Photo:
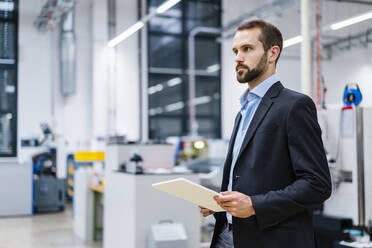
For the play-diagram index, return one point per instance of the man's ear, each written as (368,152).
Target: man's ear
(274,53)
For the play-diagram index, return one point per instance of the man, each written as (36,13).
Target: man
(276,172)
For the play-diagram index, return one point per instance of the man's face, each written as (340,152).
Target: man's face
(251,58)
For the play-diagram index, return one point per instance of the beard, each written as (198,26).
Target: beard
(251,74)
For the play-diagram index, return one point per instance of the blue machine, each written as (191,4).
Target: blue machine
(352,95)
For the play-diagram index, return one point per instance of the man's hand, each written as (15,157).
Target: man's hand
(205,211)
(236,203)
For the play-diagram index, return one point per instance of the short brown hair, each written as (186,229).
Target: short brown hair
(270,35)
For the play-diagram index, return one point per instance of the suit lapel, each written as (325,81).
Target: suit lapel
(260,113)
(230,150)
(235,131)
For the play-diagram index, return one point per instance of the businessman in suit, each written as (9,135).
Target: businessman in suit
(276,172)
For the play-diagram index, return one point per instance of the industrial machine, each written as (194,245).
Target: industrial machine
(49,194)
(48,191)
(155,157)
(189,147)
(347,140)
(352,95)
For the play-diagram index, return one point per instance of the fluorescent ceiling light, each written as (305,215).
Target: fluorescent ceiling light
(156,111)
(167,5)
(202,100)
(334,26)
(10,89)
(137,26)
(292,41)
(6,6)
(174,106)
(155,89)
(174,81)
(351,21)
(7,61)
(213,68)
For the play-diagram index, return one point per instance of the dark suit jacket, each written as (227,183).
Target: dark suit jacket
(283,168)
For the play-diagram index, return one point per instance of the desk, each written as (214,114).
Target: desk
(98,189)
(132,206)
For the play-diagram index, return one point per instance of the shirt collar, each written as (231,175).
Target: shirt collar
(261,89)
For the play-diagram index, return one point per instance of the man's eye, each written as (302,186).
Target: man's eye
(246,49)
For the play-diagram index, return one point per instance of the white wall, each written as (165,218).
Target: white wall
(34,72)
(99,73)
(231,90)
(39,98)
(353,66)
(127,97)
(120,91)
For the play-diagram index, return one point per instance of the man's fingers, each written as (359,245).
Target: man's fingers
(231,204)
(205,212)
(224,193)
(225,198)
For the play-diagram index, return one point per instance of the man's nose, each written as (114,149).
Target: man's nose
(239,58)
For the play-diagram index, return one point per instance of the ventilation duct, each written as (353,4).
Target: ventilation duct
(68,54)
(52,13)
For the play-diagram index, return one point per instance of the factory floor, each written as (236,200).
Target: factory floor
(41,230)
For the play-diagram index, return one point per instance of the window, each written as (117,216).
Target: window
(8,77)
(168,66)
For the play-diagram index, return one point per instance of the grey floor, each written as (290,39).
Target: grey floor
(41,231)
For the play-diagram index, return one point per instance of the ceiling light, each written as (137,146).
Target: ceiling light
(292,41)
(138,25)
(334,26)
(154,89)
(351,21)
(202,100)
(6,6)
(155,111)
(213,68)
(167,5)
(174,81)
(174,106)
(10,89)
